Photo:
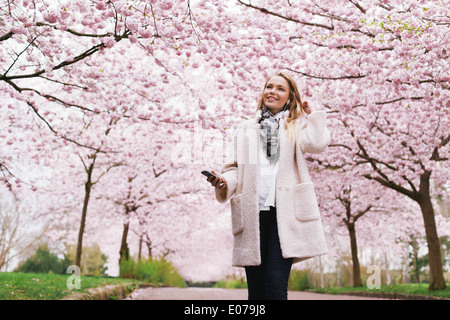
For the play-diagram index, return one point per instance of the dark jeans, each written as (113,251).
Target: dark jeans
(270,279)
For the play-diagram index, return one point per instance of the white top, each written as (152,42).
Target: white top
(267,181)
(267,178)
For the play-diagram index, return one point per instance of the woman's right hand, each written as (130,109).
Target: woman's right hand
(219,182)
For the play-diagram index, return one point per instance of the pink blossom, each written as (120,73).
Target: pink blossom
(133,38)
(51,17)
(145,33)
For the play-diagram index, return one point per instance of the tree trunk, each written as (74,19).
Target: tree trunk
(124,251)
(415,256)
(148,242)
(87,188)
(322,282)
(437,281)
(355,260)
(388,276)
(354,247)
(140,247)
(338,273)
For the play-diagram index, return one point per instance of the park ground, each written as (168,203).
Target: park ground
(225,294)
(35,286)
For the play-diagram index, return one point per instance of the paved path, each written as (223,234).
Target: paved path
(224,294)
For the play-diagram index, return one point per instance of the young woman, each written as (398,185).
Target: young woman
(275,216)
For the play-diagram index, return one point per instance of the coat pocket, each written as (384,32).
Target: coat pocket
(305,202)
(237,215)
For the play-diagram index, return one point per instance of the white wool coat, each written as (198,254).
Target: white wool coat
(299,223)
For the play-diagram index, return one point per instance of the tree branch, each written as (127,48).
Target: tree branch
(328,78)
(361,213)
(435,155)
(3,168)
(50,97)
(117,164)
(64,137)
(383,179)
(76,33)
(340,145)
(346,46)
(263,10)
(17,58)
(83,55)
(387,183)
(359,7)
(6,36)
(82,161)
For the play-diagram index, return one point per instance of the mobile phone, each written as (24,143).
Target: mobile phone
(208,174)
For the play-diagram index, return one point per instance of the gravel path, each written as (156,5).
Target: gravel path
(224,294)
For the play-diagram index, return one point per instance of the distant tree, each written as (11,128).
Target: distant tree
(17,239)
(93,260)
(43,261)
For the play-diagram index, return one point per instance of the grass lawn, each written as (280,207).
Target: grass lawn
(41,286)
(409,289)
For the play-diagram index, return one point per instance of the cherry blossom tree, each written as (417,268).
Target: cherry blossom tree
(159,85)
(350,203)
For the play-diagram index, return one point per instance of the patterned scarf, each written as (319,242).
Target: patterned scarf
(270,130)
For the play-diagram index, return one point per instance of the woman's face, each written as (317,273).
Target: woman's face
(276,94)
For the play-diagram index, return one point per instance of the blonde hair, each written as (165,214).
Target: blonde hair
(294,106)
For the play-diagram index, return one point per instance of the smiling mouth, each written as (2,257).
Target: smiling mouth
(271,99)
